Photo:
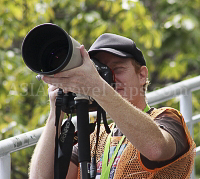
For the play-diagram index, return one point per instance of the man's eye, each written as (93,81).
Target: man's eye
(118,69)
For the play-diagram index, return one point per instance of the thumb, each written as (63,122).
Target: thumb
(84,53)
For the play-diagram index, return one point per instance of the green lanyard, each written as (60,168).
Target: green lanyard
(105,173)
(105,166)
(147,108)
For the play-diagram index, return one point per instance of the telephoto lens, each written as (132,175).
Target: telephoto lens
(47,49)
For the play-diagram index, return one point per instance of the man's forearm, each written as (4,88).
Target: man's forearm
(138,127)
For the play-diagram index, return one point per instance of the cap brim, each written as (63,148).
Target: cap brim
(112,51)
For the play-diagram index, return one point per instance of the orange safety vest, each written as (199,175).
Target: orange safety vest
(130,164)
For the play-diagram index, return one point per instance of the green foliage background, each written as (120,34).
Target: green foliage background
(167,31)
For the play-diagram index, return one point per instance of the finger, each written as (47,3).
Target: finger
(62,83)
(52,81)
(67,73)
(85,56)
(53,94)
(84,52)
(52,88)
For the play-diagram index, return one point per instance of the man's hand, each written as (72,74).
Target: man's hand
(52,91)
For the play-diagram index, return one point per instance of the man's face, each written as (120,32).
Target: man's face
(128,83)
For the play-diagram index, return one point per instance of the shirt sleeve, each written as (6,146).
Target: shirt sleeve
(171,124)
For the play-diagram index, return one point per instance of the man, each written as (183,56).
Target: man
(153,143)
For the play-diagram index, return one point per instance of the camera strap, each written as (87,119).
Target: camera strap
(66,142)
(63,144)
(100,113)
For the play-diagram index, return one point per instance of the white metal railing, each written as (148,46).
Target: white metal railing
(183,90)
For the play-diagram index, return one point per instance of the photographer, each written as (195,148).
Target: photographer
(146,142)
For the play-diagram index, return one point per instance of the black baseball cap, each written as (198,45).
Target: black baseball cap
(117,45)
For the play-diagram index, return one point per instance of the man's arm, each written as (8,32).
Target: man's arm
(152,141)
(42,162)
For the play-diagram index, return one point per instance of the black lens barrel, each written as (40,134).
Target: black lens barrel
(47,49)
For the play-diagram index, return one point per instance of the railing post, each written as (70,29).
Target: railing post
(5,166)
(186,110)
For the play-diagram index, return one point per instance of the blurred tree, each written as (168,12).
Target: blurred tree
(179,54)
(167,31)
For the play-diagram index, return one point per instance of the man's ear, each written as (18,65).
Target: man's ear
(143,75)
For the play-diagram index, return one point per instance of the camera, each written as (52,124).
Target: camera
(48,49)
